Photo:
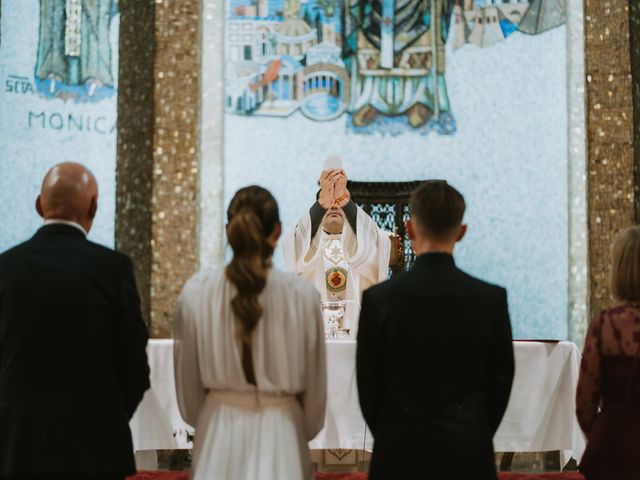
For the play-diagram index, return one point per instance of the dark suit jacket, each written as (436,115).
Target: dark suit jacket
(434,367)
(73,365)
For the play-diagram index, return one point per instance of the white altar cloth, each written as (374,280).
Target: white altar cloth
(344,426)
(157,423)
(540,415)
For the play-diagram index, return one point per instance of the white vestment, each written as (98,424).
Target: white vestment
(366,257)
(243,431)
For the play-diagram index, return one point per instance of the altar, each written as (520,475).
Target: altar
(540,415)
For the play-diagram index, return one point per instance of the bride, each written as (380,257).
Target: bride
(250,362)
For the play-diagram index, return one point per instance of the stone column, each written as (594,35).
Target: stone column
(134,165)
(157,164)
(610,136)
(634,37)
(577,163)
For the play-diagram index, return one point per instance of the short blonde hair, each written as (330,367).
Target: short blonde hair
(625,268)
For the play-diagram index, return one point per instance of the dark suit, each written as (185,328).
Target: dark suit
(73,365)
(434,367)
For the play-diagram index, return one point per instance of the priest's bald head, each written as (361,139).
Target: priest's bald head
(69,192)
(437,210)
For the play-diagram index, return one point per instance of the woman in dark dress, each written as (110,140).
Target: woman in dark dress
(608,397)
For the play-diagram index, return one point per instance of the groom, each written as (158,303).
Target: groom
(73,365)
(435,358)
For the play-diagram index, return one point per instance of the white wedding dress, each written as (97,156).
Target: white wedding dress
(244,432)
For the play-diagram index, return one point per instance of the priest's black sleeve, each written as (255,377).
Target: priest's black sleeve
(316,213)
(351,212)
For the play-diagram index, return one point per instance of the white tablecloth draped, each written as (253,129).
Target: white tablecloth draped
(540,415)
(157,423)
(344,426)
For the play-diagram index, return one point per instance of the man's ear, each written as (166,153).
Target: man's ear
(93,207)
(39,207)
(410,228)
(461,233)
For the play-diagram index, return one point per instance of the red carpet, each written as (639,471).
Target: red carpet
(363,476)
(540,476)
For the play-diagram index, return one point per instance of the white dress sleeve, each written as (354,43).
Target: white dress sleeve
(190,391)
(314,396)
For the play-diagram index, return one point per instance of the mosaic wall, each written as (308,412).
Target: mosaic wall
(212,216)
(158,169)
(610,133)
(634,36)
(497,129)
(287,162)
(176,170)
(59,77)
(508,151)
(382,63)
(135,142)
(578,197)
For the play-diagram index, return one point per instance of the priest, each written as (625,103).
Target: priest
(339,248)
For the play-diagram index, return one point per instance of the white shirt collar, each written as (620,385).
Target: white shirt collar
(58,221)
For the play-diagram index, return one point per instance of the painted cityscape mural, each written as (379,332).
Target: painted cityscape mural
(379,63)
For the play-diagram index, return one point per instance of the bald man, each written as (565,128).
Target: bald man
(73,365)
